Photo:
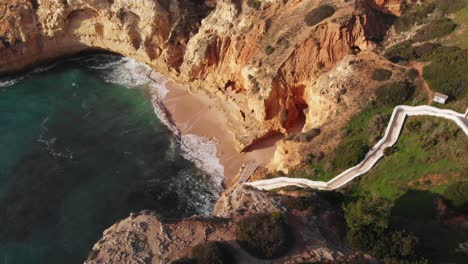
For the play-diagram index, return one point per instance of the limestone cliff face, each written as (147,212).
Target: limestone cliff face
(260,60)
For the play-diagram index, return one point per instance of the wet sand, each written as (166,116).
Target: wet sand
(196,114)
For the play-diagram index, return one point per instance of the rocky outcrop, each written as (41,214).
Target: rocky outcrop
(259,59)
(143,238)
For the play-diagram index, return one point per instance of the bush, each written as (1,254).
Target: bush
(264,235)
(269,50)
(416,15)
(412,74)
(435,29)
(376,126)
(457,194)
(350,153)
(381,75)
(426,49)
(367,220)
(184,261)
(367,211)
(390,151)
(393,94)
(413,125)
(254,4)
(319,14)
(213,252)
(400,52)
(450,6)
(447,72)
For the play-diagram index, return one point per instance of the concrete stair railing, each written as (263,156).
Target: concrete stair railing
(392,133)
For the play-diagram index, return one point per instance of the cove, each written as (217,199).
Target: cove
(80,150)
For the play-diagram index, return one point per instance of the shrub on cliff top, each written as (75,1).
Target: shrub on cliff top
(184,261)
(457,194)
(264,235)
(435,29)
(269,50)
(381,75)
(412,74)
(350,153)
(394,93)
(212,252)
(417,14)
(400,52)
(447,72)
(319,14)
(254,4)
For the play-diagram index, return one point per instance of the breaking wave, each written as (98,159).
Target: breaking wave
(8,81)
(125,71)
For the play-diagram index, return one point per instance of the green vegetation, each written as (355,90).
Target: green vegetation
(426,146)
(457,194)
(368,222)
(435,29)
(319,14)
(420,14)
(350,153)
(412,74)
(381,75)
(269,50)
(264,235)
(184,261)
(447,73)
(459,38)
(394,93)
(402,51)
(390,151)
(254,4)
(450,6)
(213,252)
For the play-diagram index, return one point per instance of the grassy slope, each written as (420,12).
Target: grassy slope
(460,37)
(395,175)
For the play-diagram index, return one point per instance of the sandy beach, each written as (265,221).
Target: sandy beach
(194,114)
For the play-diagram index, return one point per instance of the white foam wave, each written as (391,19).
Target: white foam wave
(44,68)
(10,81)
(201,151)
(128,72)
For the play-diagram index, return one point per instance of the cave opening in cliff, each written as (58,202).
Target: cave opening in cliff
(294,110)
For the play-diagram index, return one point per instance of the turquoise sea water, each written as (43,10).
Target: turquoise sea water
(78,152)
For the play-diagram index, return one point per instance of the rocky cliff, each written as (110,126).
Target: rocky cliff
(143,238)
(276,67)
(259,57)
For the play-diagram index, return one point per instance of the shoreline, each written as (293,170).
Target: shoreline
(196,114)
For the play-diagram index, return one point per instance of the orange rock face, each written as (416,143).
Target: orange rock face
(259,61)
